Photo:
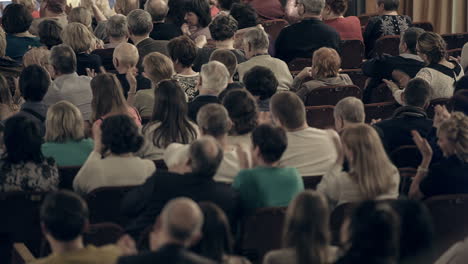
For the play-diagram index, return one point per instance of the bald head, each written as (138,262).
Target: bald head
(158,9)
(182,219)
(205,156)
(125,54)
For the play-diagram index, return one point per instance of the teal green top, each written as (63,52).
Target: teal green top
(70,153)
(268,187)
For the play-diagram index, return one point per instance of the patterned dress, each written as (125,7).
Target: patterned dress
(188,84)
(385,25)
(28,176)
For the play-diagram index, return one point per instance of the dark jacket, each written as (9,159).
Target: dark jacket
(165,31)
(198,102)
(204,54)
(144,203)
(302,39)
(85,60)
(165,255)
(149,45)
(449,176)
(142,83)
(396,131)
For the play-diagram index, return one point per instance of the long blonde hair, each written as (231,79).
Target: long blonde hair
(63,123)
(456,130)
(306,228)
(370,167)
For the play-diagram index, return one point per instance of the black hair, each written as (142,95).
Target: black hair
(459,102)
(226,4)
(242,110)
(202,9)
(260,81)
(223,27)
(389,5)
(16,19)
(183,50)
(462,84)
(64,215)
(417,92)
(271,141)
(120,135)
(410,38)
(49,32)
(23,140)
(245,15)
(34,81)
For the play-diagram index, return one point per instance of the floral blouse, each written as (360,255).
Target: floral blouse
(188,84)
(29,176)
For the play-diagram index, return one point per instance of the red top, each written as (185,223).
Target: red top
(268,9)
(348,27)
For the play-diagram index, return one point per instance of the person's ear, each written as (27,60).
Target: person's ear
(115,61)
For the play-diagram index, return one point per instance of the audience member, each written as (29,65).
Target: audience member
(112,162)
(64,218)
(194,179)
(9,68)
(16,21)
(176,14)
(65,141)
(372,235)
(247,19)
(388,22)
(262,84)
(157,67)
(296,42)
(81,15)
(459,102)
(229,60)
(370,174)
(326,63)
(67,84)
(310,150)
(349,27)
(8,107)
(396,131)
(30,6)
(464,57)
(22,166)
(177,228)
(49,32)
(169,122)
(37,56)
(256,45)
(268,10)
(447,176)
(213,80)
(347,112)
(162,30)
(140,25)
(197,17)
(50,10)
(124,7)
(382,67)
(222,29)
(306,235)
(183,52)
(266,184)
(117,31)
(217,242)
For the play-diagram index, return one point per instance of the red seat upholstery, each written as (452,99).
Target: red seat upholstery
(104,204)
(357,76)
(337,218)
(406,156)
(67,175)
(352,54)
(439,101)
(298,64)
(379,110)
(274,27)
(387,44)
(379,94)
(311,182)
(320,116)
(331,95)
(426,25)
(262,232)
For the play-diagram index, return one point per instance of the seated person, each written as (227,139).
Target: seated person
(310,150)
(50,33)
(449,175)
(81,15)
(197,17)
(229,60)
(50,10)
(325,69)
(396,131)
(64,138)
(382,67)
(162,30)
(183,52)
(64,218)
(192,178)
(267,184)
(22,166)
(222,31)
(388,22)
(112,162)
(370,175)
(349,27)
(262,84)
(296,41)
(125,59)
(348,112)
(255,45)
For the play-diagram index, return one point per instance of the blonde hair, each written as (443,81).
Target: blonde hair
(370,167)
(81,15)
(126,54)
(158,67)
(433,46)
(325,63)
(456,130)
(103,5)
(2,42)
(78,37)
(63,123)
(39,56)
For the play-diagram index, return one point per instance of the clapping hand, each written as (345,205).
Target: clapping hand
(424,148)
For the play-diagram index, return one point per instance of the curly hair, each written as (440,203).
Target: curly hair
(242,110)
(456,131)
(120,135)
(223,27)
(183,50)
(433,46)
(338,6)
(260,81)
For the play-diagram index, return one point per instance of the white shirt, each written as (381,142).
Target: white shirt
(229,167)
(311,151)
(111,171)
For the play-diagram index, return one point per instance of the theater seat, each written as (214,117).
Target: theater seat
(406,178)
(331,95)
(298,64)
(320,116)
(407,156)
(104,204)
(357,76)
(378,94)
(455,41)
(439,101)
(380,110)
(337,218)
(454,53)
(274,27)
(21,254)
(66,176)
(352,53)
(388,45)
(311,182)
(426,25)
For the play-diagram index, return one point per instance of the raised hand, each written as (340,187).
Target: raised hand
(424,148)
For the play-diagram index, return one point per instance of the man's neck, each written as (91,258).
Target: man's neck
(59,247)
(260,52)
(262,163)
(138,39)
(206,92)
(117,41)
(390,13)
(164,240)
(225,44)
(309,16)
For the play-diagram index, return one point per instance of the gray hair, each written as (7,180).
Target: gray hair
(63,59)
(213,120)
(214,76)
(139,22)
(158,9)
(182,219)
(257,38)
(205,156)
(350,109)
(313,7)
(117,26)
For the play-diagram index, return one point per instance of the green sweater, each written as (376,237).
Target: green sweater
(70,153)
(268,187)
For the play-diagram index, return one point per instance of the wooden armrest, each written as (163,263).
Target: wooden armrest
(22,254)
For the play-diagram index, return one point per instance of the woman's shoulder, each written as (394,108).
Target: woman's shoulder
(280,256)
(232,259)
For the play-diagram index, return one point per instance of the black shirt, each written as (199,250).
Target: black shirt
(449,176)
(165,31)
(85,60)
(142,83)
(204,54)
(198,102)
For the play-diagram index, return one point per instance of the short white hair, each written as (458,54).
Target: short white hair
(214,76)
(314,7)
(350,109)
(257,38)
